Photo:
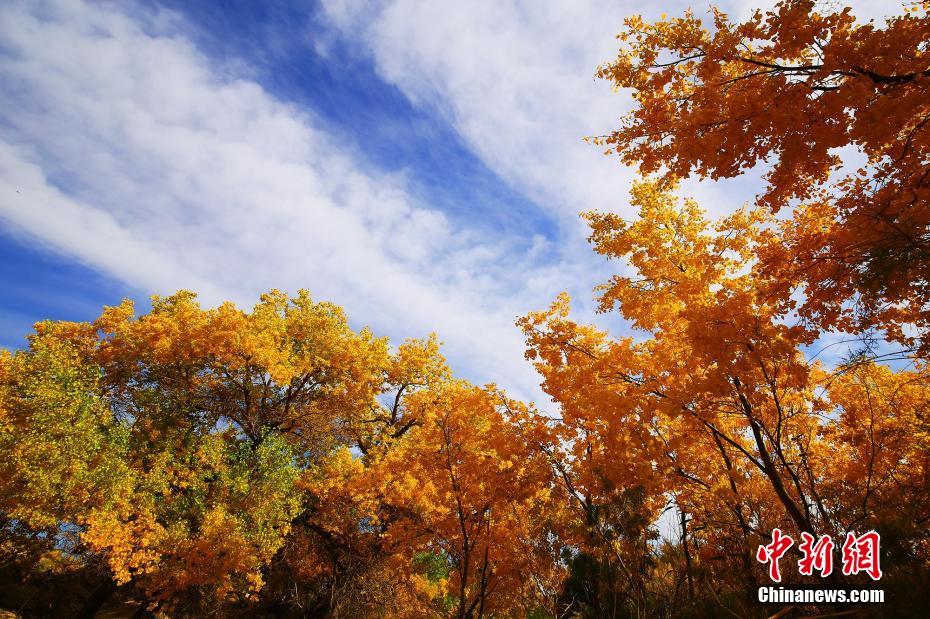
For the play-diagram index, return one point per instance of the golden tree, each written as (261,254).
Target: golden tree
(718,408)
(799,89)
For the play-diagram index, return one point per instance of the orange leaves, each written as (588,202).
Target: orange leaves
(666,246)
(286,365)
(209,456)
(715,405)
(462,483)
(880,440)
(418,363)
(199,445)
(131,548)
(789,88)
(706,99)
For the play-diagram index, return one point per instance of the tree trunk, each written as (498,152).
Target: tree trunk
(97,599)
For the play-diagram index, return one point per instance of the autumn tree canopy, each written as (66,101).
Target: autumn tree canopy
(835,109)
(189,461)
(192,460)
(719,414)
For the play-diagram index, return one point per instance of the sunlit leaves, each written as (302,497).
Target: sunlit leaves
(793,89)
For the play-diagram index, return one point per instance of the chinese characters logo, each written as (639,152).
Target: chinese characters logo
(860,553)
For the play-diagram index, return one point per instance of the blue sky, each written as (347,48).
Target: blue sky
(420,164)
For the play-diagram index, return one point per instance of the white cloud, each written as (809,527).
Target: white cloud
(515,78)
(93,235)
(124,147)
(516,81)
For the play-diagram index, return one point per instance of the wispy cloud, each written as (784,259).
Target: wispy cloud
(516,81)
(124,148)
(514,78)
